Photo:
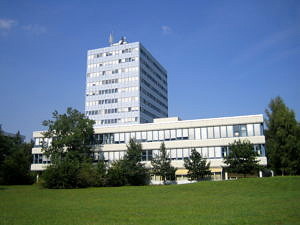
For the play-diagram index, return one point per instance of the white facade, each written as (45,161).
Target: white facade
(210,137)
(125,85)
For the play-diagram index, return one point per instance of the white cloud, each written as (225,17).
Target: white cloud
(166,29)
(7,24)
(35,29)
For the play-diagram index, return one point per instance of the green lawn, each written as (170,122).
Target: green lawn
(246,201)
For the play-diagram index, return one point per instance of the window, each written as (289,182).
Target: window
(229,131)
(197,133)
(173,154)
(127,137)
(122,137)
(185,153)
(155,135)
(257,129)
(144,135)
(243,130)
(217,132)
(179,153)
(161,135)
(117,137)
(224,151)
(185,133)
(203,132)
(223,132)
(173,134)
(149,134)
(211,152)
(236,130)
(191,133)
(167,135)
(179,133)
(138,135)
(204,152)
(250,129)
(218,152)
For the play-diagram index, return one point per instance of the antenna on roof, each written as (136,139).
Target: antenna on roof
(111,39)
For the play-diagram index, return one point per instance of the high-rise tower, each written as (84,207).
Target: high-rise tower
(125,84)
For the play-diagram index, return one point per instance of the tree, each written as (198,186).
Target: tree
(242,158)
(282,138)
(71,135)
(129,170)
(70,151)
(15,160)
(162,165)
(196,166)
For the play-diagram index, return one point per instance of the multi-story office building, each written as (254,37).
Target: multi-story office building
(210,137)
(125,84)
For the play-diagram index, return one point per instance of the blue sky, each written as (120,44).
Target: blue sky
(224,58)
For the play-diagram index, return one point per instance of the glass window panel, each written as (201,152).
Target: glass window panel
(117,155)
(122,137)
(168,153)
(203,133)
(127,137)
(243,130)
(185,153)
(161,135)
(138,135)
(204,152)
(132,135)
(179,153)
(155,135)
(179,133)
(111,156)
(122,153)
(144,135)
(250,129)
(37,142)
(223,132)
(191,133)
(236,130)
(257,129)
(173,154)
(211,152)
(155,153)
(229,131)
(198,150)
(117,137)
(217,132)
(149,135)
(173,134)
(167,134)
(218,152)
(149,155)
(185,133)
(197,133)
(105,155)
(210,132)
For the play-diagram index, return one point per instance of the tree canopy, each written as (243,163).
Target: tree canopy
(161,164)
(71,135)
(197,166)
(241,158)
(282,138)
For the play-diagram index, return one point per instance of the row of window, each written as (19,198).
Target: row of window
(112,91)
(117,120)
(154,81)
(114,71)
(198,133)
(112,81)
(214,152)
(112,101)
(154,98)
(157,109)
(112,62)
(109,111)
(112,53)
(143,81)
(146,112)
(153,63)
(145,64)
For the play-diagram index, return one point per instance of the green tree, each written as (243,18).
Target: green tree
(282,138)
(71,135)
(161,165)
(242,158)
(197,166)
(15,160)
(70,151)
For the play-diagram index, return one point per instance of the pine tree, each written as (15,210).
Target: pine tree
(196,166)
(282,138)
(162,165)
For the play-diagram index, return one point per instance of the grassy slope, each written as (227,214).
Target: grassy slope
(246,201)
